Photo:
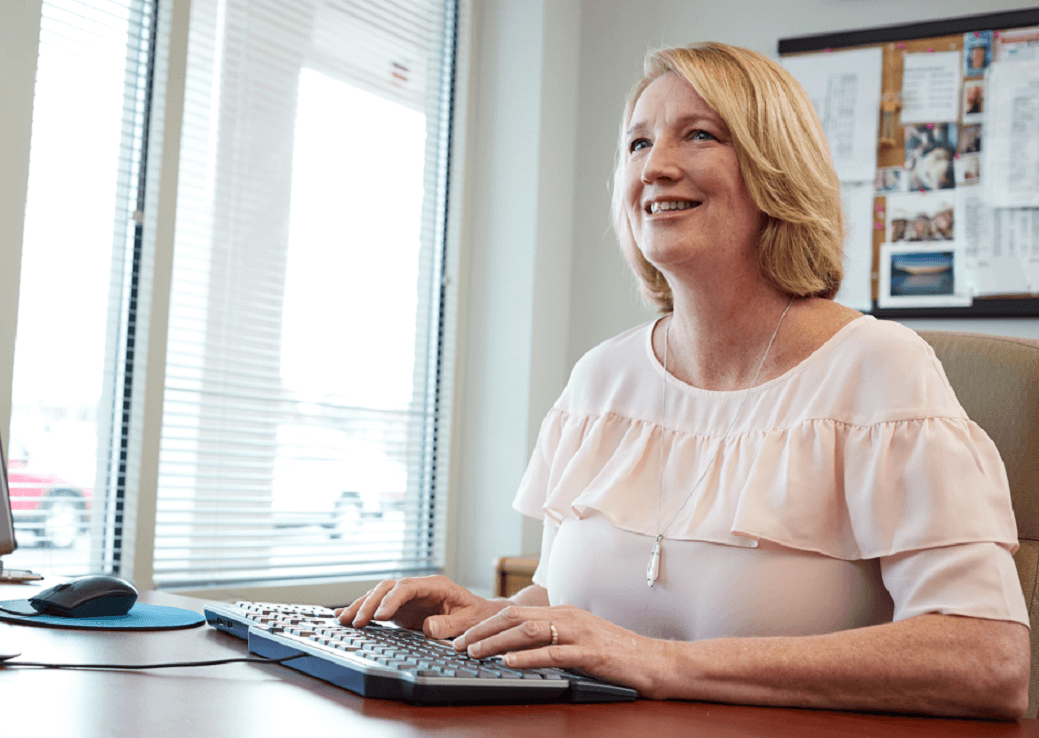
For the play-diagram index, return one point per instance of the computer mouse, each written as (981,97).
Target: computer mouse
(86,597)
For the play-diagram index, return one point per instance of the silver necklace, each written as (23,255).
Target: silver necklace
(653,569)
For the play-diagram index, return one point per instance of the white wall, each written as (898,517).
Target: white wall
(19,40)
(518,216)
(615,34)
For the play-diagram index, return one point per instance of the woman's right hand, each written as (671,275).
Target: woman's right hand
(441,608)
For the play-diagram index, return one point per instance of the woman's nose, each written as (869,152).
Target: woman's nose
(661,163)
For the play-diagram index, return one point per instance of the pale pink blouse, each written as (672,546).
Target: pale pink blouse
(851,490)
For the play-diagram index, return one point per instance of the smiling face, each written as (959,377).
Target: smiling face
(683,195)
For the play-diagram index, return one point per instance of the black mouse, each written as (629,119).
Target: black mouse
(86,597)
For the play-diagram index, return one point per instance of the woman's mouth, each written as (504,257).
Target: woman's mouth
(661,206)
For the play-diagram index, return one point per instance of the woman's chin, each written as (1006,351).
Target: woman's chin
(670,256)
(687,261)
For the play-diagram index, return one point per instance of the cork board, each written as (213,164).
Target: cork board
(895,42)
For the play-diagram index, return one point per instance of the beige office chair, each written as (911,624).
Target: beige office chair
(996,380)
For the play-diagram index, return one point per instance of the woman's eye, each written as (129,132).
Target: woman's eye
(638,143)
(701,135)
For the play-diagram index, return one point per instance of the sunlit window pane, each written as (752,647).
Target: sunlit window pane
(76,226)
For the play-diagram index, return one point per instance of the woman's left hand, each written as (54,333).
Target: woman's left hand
(583,641)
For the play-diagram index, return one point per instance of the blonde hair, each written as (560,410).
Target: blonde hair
(784,163)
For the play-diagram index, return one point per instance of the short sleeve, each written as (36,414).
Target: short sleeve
(974,580)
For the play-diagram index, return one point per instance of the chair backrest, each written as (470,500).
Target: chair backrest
(996,379)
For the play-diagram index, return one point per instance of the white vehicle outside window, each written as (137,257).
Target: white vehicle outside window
(324,477)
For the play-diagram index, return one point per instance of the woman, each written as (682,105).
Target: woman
(923,228)
(818,522)
(943,223)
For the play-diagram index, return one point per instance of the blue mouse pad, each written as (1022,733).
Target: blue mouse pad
(140,617)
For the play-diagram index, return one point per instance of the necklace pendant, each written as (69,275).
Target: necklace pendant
(653,570)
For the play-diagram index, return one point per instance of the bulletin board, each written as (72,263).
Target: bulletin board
(920,165)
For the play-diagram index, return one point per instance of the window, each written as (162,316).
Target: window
(306,355)
(300,421)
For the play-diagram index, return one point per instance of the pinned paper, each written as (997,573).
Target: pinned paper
(1010,156)
(857,287)
(930,87)
(845,89)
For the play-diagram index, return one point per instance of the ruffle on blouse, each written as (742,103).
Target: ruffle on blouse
(845,491)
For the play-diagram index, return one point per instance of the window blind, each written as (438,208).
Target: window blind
(79,285)
(307,366)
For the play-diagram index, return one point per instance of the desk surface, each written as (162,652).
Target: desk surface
(259,700)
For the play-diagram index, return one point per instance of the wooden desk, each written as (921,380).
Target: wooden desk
(258,700)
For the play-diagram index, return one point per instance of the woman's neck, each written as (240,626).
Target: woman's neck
(717,338)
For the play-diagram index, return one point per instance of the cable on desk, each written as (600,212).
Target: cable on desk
(21,614)
(136,667)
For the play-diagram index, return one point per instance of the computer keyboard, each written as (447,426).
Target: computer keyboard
(393,663)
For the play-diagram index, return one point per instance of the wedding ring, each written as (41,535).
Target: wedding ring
(555,634)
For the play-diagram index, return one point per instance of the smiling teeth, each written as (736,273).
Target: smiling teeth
(656,207)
